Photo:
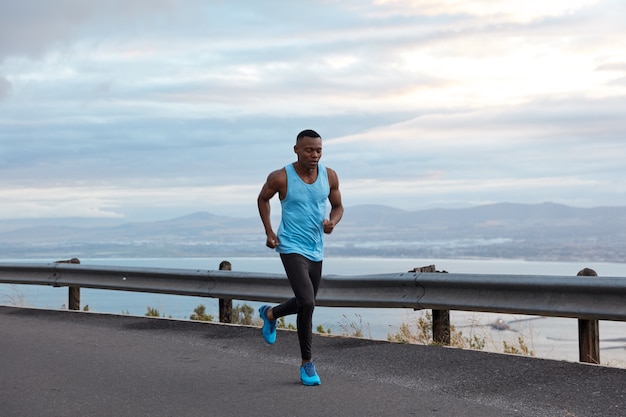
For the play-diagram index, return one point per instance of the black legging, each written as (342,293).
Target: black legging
(304,276)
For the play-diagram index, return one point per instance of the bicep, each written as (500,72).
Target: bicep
(335,195)
(273,185)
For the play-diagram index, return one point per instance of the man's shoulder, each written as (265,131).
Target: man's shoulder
(279,175)
(279,171)
(331,172)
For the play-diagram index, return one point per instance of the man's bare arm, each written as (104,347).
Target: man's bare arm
(336,210)
(275,183)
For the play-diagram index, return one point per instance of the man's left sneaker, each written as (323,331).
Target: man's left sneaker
(269,326)
(308,376)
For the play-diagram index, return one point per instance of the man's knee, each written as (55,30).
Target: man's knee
(306,304)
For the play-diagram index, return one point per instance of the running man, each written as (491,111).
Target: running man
(303,188)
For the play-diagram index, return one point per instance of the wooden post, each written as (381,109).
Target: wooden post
(441,327)
(74,292)
(588,332)
(226,305)
(74,298)
(441,318)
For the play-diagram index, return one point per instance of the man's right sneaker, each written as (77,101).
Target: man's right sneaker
(269,326)
(308,376)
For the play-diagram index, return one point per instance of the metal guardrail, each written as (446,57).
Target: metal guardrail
(597,298)
(601,298)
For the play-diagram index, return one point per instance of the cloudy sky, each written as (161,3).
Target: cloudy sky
(151,109)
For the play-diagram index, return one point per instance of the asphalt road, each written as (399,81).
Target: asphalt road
(61,363)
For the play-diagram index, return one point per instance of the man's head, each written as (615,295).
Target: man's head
(308,148)
(308,133)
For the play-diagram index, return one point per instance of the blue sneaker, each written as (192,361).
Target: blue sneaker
(269,326)
(308,376)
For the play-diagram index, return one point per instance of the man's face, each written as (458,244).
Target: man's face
(309,151)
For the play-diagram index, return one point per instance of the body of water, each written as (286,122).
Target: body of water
(552,338)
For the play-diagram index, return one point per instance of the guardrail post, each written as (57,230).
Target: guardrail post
(441,327)
(226,304)
(441,318)
(73,296)
(588,332)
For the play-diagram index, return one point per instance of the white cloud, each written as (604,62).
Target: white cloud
(111,109)
(147,203)
(5,87)
(491,10)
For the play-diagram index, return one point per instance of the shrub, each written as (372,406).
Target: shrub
(199,313)
(152,312)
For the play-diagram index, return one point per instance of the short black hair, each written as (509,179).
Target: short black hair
(307,133)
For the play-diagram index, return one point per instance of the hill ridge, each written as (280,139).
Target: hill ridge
(546,231)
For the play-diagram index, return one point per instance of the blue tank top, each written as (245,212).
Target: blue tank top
(303,211)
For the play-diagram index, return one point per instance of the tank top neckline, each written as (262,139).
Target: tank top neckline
(293,166)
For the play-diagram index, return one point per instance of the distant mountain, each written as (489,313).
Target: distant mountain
(502,213)
(545,231)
